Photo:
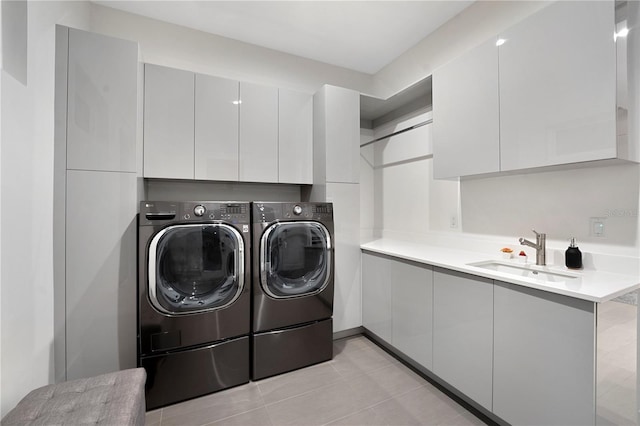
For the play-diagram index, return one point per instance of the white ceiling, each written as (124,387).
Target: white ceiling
(359,35)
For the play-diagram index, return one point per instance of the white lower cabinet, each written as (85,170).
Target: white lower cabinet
(544,357)
(527,356)
(412,310)
(100,290)
(397,304)
(376,295)
(463,333)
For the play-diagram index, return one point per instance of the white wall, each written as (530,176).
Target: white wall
(399,196)
(558,203)
(180,47)
(26,201)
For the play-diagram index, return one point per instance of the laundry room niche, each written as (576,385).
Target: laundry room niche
(396,148)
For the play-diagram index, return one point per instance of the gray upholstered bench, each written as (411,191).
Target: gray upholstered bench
(109,399)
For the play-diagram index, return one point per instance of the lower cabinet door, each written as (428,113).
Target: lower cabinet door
(412,310)
(376,295)
(100,268)
(463,333)
(544,357)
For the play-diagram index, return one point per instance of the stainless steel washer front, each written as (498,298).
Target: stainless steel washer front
(293,286)
(194,299)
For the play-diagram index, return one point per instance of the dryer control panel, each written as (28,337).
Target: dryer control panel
(269,212)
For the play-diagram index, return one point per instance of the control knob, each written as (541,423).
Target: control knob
(297,210)
(199,210)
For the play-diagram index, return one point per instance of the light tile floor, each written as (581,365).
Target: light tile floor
(362,385)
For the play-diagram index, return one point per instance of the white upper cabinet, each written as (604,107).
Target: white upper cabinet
(295,144)
(558,86)
(342,134)
(546,96)
(466,134)
(258,133)
(102,103)
(203,127)
(168,123)
(216,128)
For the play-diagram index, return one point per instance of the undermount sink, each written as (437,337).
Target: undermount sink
(538,273)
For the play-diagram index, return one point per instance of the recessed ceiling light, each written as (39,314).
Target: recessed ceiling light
(500,42)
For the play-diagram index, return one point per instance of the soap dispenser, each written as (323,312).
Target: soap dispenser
(573,256)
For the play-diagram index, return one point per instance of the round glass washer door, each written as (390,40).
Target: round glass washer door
(295,259)
(195,268)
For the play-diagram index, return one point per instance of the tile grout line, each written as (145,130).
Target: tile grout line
(304,393)
(237,414)
(236,388)
(372,406)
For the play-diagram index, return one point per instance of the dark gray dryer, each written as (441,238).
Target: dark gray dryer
(194,301)
(293,286)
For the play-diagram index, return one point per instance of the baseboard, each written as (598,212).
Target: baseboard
(348,333)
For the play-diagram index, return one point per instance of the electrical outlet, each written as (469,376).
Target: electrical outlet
(453,221)
(597,226)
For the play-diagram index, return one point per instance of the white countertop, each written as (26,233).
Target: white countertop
(592,285)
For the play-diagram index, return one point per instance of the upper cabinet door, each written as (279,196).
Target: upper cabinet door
(102,102)
(295,118)
(558,86)
(466,138)
(168,123)
(258,133)
(216,128)
(342,134)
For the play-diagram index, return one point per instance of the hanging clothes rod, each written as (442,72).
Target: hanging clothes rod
(415,126)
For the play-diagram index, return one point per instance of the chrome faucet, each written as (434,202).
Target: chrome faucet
(539,245)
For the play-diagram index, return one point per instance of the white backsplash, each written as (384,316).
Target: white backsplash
(558,203)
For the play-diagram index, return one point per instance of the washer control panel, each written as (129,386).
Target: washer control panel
(228,212)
